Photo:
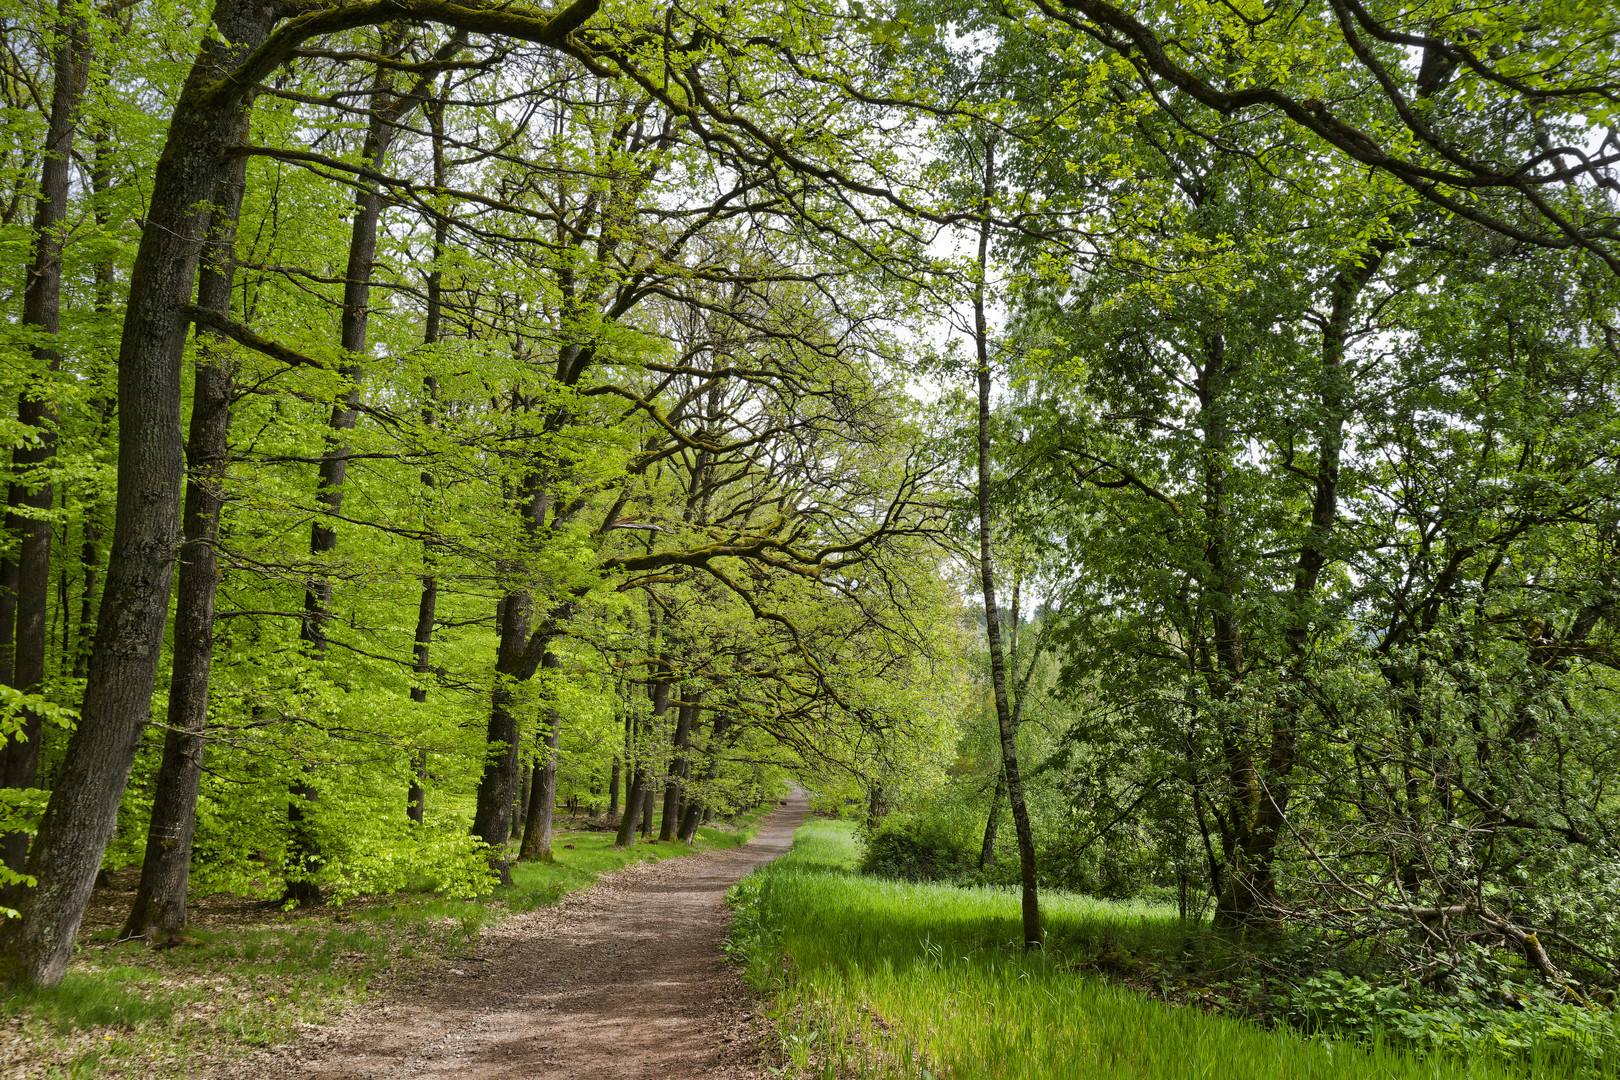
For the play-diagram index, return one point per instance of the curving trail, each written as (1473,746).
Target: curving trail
(621,981)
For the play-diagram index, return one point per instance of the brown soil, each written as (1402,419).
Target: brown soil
(622,981)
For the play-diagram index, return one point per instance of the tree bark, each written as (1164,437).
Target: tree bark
(669,826)
(543,802)
(159,910)
(635,803)
(416,796)
(33,493)
(492,818)
(697,810)
(998,671)
(649,795)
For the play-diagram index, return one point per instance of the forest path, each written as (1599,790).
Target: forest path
(624,980)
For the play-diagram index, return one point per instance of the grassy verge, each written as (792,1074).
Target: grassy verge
(127,1010)
(877,978)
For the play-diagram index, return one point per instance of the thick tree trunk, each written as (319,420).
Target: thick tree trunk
(669,826)
(83,808)
(637,802)
(543,803)
(998,670)
(159,909)
(697,810)
(492,818)
(34,493)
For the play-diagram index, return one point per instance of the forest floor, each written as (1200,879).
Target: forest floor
(625,979)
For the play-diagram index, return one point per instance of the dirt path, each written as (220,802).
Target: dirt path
(622,981)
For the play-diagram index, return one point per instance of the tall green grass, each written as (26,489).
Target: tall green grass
(877,978)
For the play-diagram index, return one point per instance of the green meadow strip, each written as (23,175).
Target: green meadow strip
(877,978)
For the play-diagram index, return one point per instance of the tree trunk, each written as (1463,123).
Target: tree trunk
(543,804)
(432,332)
(697,810)
(987,850)
(649,795)
(159,909)
(83,808)
(637,802)
(626,836)
(520,799)
(416,797)
(492,819)
(304,849)
(669,827)
(33,491)
(101,183)
(992,618)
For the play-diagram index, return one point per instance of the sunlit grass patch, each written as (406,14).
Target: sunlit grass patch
(878,978)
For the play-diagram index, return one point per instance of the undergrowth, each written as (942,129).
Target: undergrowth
(126,1010)
(881,978)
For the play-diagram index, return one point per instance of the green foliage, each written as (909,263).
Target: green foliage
(915,848)
(1515,1022)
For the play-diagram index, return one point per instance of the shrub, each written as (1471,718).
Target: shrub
(915,849)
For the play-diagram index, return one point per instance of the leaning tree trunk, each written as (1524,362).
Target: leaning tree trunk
(83,808)
(159,910)
(42,293)
(992,618)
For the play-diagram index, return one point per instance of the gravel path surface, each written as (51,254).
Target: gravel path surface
(621,981)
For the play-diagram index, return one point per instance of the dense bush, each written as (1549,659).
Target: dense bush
(916,849)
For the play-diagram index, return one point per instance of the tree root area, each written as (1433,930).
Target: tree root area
(624,980)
